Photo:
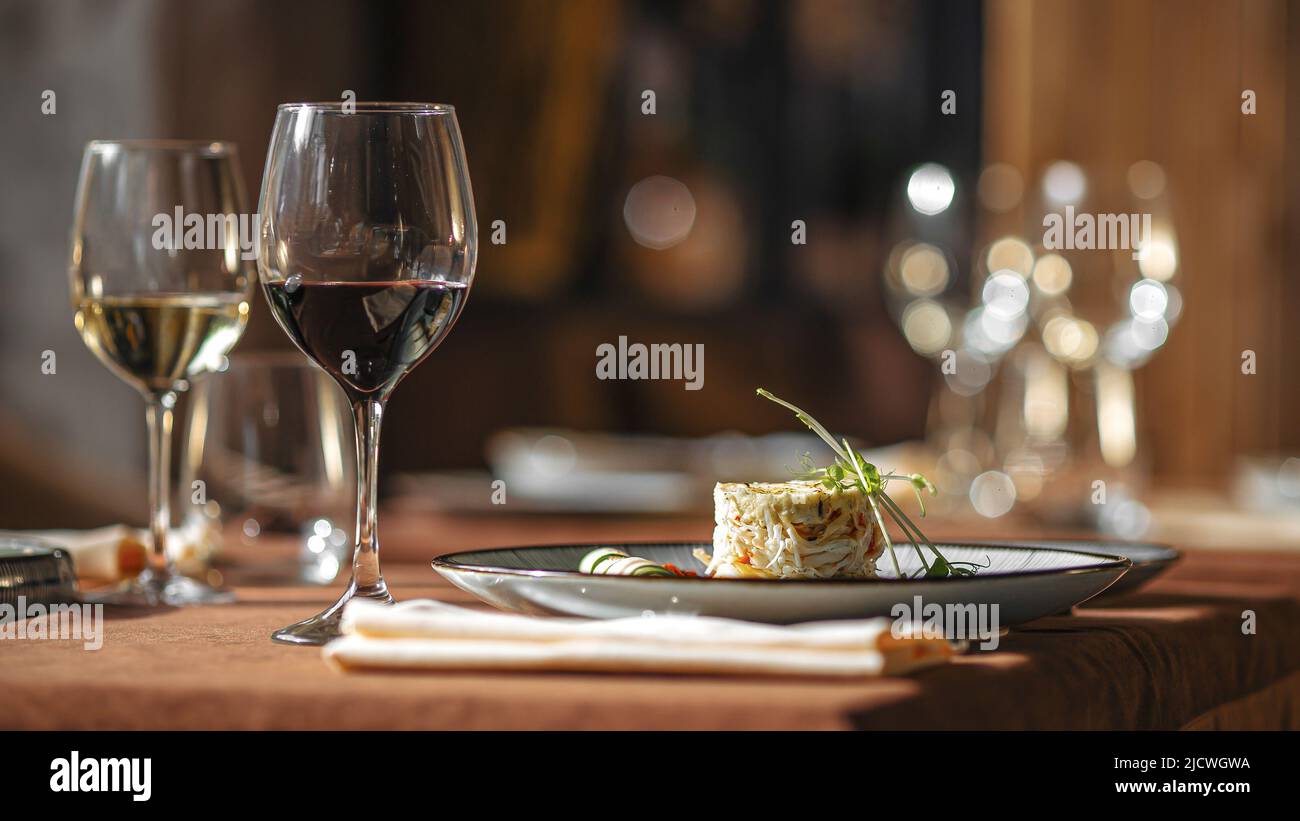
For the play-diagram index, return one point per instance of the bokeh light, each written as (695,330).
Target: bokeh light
(988,336)
(930,189)
(1146,179)
(1121,348)
(1130,343)
(970,376)
(1005,295)
(1148,300)
(1158,257)
(924,270)
(1149,334)
(1010,254)
(1064,183)
(1116,418)
(659,212)
(993,494)
(926,326)
(1052,274)
(1071,340)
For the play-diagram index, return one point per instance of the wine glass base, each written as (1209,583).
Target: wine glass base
(324,626)
(155,590)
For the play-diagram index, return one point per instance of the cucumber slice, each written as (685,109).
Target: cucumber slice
(598,557)
(652,570)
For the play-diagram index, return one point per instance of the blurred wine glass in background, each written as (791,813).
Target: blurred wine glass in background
(269,445)
(1035,347)
(962,312)
(1068,429)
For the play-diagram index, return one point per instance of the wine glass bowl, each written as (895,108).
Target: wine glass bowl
(366,255)
(161,275)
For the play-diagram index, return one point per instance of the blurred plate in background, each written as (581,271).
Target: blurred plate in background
(565,471)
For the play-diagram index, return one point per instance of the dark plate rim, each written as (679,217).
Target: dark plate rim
(447,562)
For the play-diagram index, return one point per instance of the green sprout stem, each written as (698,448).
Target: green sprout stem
(884,531)
(851,470)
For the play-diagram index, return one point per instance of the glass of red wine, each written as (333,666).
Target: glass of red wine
(367,252)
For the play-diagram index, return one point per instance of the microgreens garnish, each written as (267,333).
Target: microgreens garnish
(851,470)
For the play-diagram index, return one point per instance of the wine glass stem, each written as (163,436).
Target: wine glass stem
(366,576)
(158,415)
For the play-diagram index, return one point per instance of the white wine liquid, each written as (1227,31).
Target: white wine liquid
(156,341)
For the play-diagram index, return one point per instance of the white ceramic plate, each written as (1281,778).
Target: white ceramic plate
(1025,580)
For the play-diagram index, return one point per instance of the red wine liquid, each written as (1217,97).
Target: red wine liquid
(367,335)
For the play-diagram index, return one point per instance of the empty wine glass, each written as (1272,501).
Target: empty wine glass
(270,442)
(366,256)
(161,275)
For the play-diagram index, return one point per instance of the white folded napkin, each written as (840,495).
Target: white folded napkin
(110,553)
(119,552)
(431,635)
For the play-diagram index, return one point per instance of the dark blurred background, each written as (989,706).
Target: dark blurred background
(768,112)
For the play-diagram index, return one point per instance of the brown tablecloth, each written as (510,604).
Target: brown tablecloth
(1173,655)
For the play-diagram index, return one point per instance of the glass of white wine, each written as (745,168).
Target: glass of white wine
(161,281)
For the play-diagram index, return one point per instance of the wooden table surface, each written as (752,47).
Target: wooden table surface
(1170,656)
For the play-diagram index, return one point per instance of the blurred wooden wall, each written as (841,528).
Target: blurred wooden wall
(1108,82)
